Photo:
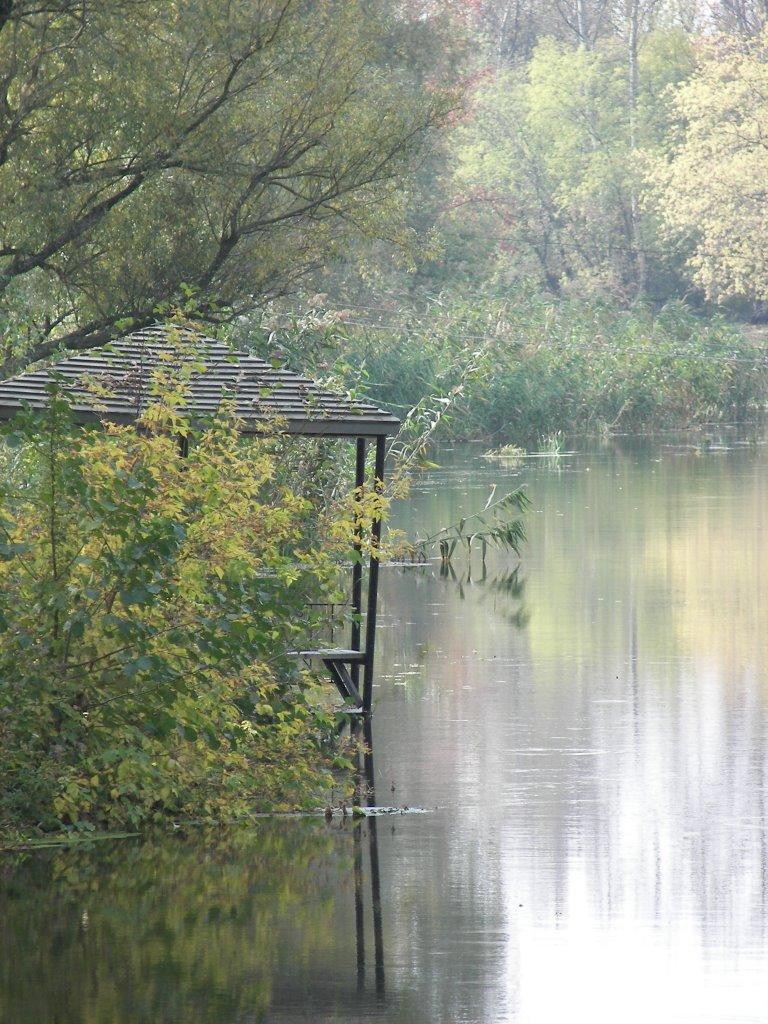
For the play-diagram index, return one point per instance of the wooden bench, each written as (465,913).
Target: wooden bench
(336,660)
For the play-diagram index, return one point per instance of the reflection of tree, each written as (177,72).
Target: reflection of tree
(165,931)
(504,590)
(213,927)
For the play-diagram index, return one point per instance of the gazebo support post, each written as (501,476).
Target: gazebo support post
(357,568)
(373,581)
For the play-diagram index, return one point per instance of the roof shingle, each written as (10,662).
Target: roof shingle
(260,391)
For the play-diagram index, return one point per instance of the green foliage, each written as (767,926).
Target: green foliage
(552,161)
(147,604)
(710,185)
(157,153)
(498,525)
(191,927)
(526,366)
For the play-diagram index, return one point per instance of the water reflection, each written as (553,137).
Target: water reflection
(195,929)
(588,733)
(365,796)
(504,590)
(203,927)
(609,756)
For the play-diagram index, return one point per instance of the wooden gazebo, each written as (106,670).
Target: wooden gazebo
(122,374)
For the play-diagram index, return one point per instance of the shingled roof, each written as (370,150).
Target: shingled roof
(261,392)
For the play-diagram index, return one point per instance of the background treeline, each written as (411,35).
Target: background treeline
(609,149)
(592,217)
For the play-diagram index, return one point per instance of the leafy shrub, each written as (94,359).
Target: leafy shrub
(147,603)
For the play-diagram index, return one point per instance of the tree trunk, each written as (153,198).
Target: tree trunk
(581,24)
(633,27)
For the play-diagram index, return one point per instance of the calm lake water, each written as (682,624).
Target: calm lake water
(588,735)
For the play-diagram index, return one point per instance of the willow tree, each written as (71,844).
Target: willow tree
(153,152)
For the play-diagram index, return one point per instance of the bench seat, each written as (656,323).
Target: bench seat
(335,654)
(336,660)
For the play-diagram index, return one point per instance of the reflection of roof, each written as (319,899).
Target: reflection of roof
(114,383)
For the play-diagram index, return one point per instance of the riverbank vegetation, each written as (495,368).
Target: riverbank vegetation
(524,366)
(157,157)
(550,177)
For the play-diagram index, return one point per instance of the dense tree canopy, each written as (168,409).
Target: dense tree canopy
(151,151)
(713,190)
(557,162)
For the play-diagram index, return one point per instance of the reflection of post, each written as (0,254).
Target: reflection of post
(359,919)
(365,794)
(378,930)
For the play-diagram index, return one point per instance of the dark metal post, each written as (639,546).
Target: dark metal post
(357,568)
(373,581)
